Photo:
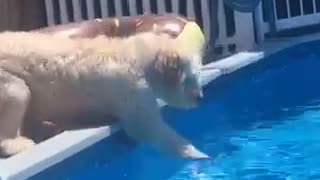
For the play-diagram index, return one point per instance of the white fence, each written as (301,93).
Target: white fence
(243,26)
(287,14)
(242,38)
(78,12)
(237,30)
(296,13)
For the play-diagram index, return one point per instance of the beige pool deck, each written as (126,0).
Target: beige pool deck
(64,145)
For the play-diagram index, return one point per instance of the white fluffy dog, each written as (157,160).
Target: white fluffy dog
(46,78)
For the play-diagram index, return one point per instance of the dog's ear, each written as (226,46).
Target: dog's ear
(169,67)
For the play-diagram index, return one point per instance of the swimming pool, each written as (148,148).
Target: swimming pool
(260,122)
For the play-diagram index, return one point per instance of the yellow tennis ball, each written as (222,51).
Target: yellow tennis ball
(191,39)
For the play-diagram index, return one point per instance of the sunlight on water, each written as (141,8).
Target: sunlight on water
(286,151)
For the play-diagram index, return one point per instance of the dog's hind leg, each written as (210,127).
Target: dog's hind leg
(14,100)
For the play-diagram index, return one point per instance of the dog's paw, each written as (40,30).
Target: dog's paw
(9,147)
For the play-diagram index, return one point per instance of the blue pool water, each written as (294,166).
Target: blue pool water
(260,123)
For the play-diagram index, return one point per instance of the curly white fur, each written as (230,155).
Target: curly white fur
(46,78)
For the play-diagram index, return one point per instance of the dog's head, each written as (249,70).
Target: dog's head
(175,75)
